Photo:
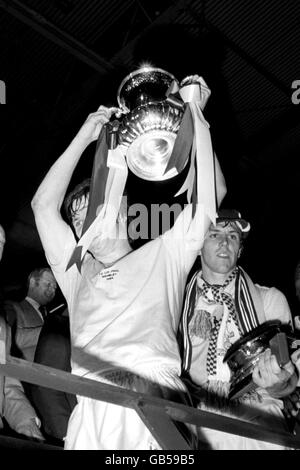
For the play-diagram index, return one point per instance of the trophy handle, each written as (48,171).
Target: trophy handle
(279,347)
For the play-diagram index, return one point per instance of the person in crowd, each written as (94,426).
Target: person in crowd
(26,318)
(124,305)
(54,350)
(222,304)
(15,408)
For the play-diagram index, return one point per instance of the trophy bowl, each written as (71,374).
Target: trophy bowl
(150,124)
(244,354)
(145,85)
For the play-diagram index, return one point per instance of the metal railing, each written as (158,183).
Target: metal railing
(157,413)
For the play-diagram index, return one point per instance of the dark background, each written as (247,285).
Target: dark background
(61,59)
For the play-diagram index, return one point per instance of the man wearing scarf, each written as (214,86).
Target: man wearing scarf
(222,304)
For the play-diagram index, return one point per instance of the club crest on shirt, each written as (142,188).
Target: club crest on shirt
(108,274)
(201,325)
(204,322)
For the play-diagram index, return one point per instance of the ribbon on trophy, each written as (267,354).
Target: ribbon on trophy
(194,141)
(108,181)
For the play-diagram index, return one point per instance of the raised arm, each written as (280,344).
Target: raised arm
(201,222)
(49,197)
(193,229)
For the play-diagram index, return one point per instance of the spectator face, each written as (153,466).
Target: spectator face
(221,249)
(43,289)
(2,240)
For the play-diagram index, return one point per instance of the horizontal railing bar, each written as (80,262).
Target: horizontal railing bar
(70,383)
(21,443)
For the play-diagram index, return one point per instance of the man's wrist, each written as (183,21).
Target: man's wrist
(81,141)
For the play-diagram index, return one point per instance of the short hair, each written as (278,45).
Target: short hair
(233,217)
(233,225)
(81,191)
(36,274)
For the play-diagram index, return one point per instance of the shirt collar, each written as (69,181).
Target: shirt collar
(32,302)
(228,282)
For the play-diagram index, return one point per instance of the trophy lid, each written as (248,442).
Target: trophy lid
(145,85)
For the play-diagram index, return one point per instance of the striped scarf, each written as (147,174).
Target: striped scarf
(215,294)
(245,310)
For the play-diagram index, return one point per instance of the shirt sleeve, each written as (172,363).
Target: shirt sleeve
(276,306)
(187,234)
(206,178)
(17,408)
(65,279)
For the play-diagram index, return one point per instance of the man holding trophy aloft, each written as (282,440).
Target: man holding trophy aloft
(125,304)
